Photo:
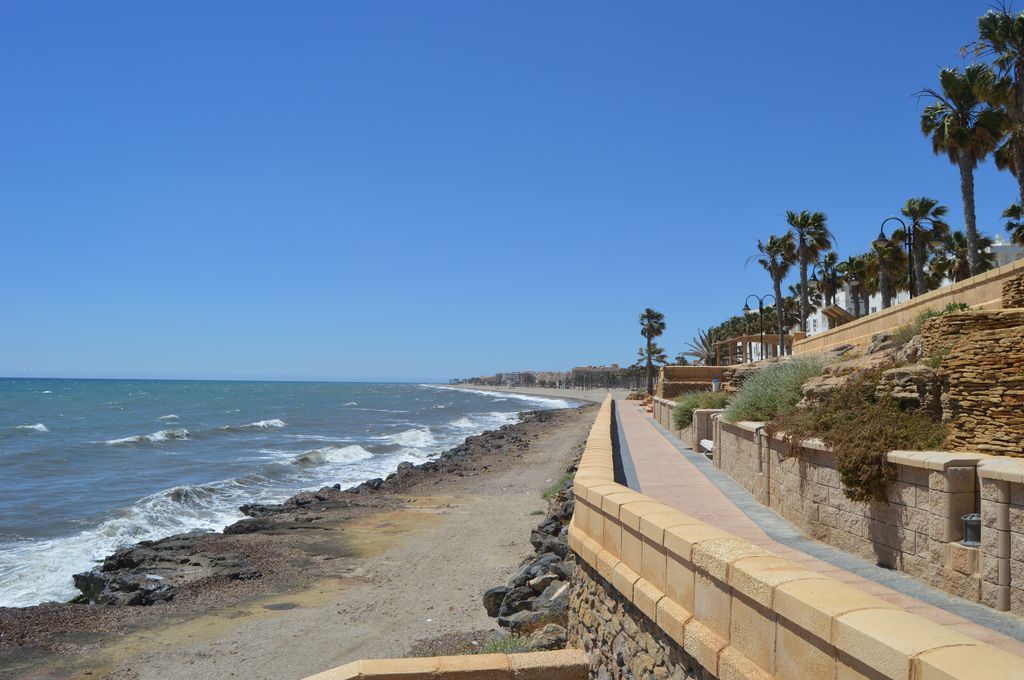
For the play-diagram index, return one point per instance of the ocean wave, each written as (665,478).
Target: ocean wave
(264,424)
(332,454)
(351,403)
(546,402)
(317,438)
(417,438)
(484,421)
(46,392)
(258,425)
(158,436)
(38,427)
(170,416)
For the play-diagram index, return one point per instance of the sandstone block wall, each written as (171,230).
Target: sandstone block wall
(915,531)
(984,290)
(985,399)
(1013,292)
(942,333)
(728,609)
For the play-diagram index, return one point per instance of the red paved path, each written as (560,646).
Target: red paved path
(670,478)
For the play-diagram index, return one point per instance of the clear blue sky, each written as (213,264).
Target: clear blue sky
(422,190)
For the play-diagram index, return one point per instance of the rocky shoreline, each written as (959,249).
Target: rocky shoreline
(275,547)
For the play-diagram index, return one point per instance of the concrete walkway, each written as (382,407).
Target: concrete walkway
(663,467)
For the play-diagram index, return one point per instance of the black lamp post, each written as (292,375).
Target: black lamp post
(881,242)
(760,313)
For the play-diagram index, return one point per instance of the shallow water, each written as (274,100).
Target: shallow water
(91,465)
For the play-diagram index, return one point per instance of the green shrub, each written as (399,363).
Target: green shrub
(682,413)
(773,390)
(861,429)
(552,491)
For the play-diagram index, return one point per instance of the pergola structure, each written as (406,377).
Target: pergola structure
(747,348)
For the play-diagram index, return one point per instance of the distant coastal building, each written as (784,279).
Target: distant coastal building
(1004,252)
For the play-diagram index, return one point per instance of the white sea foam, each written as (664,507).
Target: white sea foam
(545,402)
(351,403)
(333,454)
(46,392)
(264,424)
(158,436)
(317,438)
(38,427)
(170,416)
(417,438)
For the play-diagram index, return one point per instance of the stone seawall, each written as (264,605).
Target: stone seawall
(619,640)
(728,609)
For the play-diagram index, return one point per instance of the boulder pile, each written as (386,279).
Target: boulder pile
(539,590)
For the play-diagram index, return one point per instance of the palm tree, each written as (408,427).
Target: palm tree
(1015,223)
(778,254)
(891,265)
(1001,35)
(928,227)
(830,278)
(952,261)
(854,270)
(965,128)
(652,324)
(812,239)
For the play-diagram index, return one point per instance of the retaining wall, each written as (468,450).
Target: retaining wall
(916,530)
(728,609)
(1002,534)
(984,290)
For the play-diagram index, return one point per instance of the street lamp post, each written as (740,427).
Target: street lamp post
(881,242)
(760,313)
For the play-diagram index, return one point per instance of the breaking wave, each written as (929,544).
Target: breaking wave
(545,402)
(38,427)
(170,416)
(158,436)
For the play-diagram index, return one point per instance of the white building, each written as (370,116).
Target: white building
(816,323)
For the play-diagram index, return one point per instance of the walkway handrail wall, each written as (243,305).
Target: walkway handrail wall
(983,290)
(565,664)
(742,612)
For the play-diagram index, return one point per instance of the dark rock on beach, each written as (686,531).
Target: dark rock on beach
(153,571)
(539,589)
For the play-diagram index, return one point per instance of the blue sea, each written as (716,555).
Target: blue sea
(88,466)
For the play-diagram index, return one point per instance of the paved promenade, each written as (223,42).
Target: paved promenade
(663,467)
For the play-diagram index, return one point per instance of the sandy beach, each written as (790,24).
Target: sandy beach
(596,395)
(367,576)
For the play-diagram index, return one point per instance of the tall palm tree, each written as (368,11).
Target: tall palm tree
(952,261)
(891,268)
(1001,35)
(964,127)
(812,239)
(830,277)
(652,325)
(777,256)
(1015,223)
(928,226)
(854,271)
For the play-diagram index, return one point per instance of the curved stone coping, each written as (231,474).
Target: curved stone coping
(741,611)
(563,664)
